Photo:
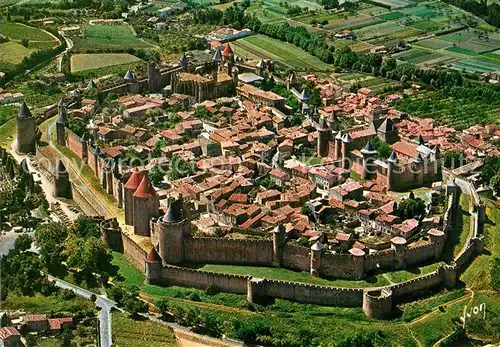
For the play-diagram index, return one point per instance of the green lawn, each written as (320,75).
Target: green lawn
(408,274)
(289,275)
(7,133)
(268,48)
(81,62)
(108,37)
(132,333)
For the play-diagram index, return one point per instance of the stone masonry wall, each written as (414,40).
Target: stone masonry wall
(74,143)
(135,254)
(297,258)
(230,251)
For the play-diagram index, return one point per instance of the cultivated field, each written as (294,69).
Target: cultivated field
(13,52)
(108,37)
(263,47)
(82,62)
(131,333)
(17,31)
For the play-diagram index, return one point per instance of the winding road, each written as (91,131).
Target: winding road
(103,302)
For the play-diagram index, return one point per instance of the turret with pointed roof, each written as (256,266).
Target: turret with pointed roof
(146,207)
(26,130)
(62,186)
(217,58)
(129,76)
(128,191)
(153,266)
(61,123)
(173,228)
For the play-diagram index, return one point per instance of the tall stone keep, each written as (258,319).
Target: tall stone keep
(26,130)
(146,207)
(173,228)
(62,186)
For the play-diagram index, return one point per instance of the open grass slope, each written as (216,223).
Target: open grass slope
(45,304)
(107,38)
(268,48)
(18,31)
(13,53)
(132,333)
(82,62)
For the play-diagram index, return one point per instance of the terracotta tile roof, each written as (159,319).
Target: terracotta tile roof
(405,148)
(56,323)
(134,180)
(144,190)
(7,332)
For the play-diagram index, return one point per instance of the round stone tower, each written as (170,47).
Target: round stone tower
(369,156)
(279,241)
(391,166)
(62,186)
(173,228)
(153,266)
(324,132)
(61,124)
(398,244)
(316,251)
(26,130)
(346,140)
(146,207)
(377,303)
(128,191)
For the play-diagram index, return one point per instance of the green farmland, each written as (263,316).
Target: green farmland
(107,38)
(17,31)
(263,47)
(82,62)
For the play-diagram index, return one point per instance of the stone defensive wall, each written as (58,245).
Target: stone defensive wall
(76,144)
(230,251)
(134,253)
(375,302)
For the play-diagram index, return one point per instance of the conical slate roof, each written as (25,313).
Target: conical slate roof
(347,138)
(451,183)
(217,55)
(183,59)
(385,126)
(61,103)
(174,213)
(280,228)
(368,148)
(304,95)
(134,180)
(393,158)
(91,84)
(97,150)
(24,112)
(261,64)
(129,76)
(420,140)
(339,135)
(60,168)
(324,123)
(318,246)
(153,256)
(63,116)
(144,190)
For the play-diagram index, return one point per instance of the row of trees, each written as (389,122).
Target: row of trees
(490,13)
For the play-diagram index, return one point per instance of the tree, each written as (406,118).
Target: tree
(411,208)
(490,168)
(156,175)
(329,4)
(453,159)
(23,242)
(383,149)
(51,238)
(134,306)
(25,42)
(495,183)
(179,168)
(85,227)
(88,255)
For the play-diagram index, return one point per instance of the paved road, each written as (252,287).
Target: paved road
(104,303)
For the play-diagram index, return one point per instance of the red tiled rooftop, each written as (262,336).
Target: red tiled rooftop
(357,252)
(134,180)
(144,190)
(7,332)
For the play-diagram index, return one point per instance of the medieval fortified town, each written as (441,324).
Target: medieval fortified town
(249,173)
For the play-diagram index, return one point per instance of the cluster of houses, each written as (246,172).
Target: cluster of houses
(10,335)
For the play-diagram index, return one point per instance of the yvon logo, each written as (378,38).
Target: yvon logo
(473,311)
